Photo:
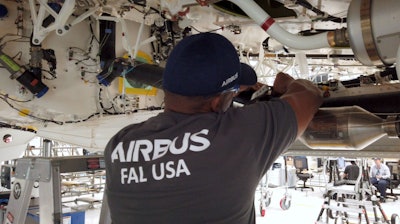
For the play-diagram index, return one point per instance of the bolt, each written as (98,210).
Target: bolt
(59,31)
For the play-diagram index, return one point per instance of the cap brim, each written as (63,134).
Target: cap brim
(247,75)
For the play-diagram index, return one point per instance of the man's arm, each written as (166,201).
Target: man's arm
(302,95)
(346,172)
(346,169)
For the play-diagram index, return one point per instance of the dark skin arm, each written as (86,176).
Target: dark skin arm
(302,95)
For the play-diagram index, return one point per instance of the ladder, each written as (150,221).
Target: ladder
(45,173)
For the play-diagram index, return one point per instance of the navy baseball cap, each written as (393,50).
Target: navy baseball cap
(205,64)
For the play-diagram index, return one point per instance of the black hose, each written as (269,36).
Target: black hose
(148,74)
(307,5)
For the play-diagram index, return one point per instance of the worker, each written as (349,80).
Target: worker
(379,176)
(7,138)
(352,171)
(200,160)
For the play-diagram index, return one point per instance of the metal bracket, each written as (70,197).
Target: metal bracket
(33,169)
(60,25)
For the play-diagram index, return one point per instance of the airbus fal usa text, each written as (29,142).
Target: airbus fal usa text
(151,150)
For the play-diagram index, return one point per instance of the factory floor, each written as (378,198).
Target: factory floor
(304,207)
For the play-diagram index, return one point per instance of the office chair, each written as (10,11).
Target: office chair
(394,181)
(301,165)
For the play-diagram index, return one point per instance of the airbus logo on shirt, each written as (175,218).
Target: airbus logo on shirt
(151,150)
(157,148)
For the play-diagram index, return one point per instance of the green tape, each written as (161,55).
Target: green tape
(7,61)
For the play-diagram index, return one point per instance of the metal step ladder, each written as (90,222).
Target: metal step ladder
(44,172)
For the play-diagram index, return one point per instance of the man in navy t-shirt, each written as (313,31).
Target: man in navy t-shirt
(200,160)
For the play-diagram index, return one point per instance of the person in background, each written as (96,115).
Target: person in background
(352,171)
(379,177)
(341,163)
(7,138)
(200,161)
(29,150)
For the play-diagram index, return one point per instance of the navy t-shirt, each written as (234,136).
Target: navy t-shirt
(203,168)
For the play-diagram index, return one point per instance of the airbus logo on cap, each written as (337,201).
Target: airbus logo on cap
(230,79)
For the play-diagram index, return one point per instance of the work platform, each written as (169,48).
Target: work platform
(304,209)
(45,173)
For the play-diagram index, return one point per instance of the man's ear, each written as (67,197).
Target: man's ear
(221,102)
(216,104)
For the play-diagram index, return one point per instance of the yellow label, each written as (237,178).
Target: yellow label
(24,112)
(32,128)
(148,90)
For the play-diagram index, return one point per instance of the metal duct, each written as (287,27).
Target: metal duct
(266,22)
(373,28)
(347,128)
(378,103)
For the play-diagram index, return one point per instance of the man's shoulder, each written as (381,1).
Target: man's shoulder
(275,105)
(354,167)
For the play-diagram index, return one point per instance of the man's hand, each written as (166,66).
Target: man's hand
(303,96)
(281,83)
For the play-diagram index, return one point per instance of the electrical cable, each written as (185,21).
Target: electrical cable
(317,11)
(5,125)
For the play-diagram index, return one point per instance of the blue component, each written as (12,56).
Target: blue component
(103,80)
(3,11)
(55,6)
(77,217)
(42,92)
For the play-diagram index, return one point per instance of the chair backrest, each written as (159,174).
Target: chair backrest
(300,163)
(394,169)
